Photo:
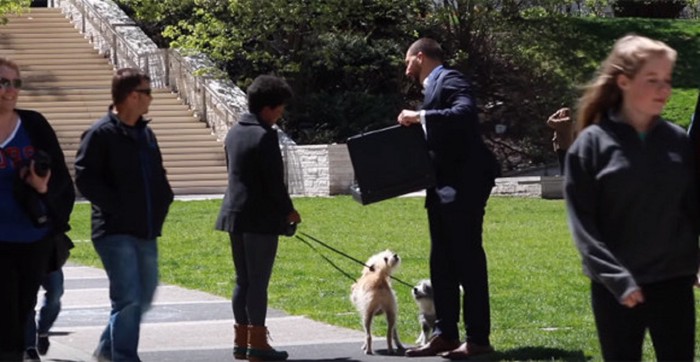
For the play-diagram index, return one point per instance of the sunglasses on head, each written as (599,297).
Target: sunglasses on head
(7,83)
(146,91)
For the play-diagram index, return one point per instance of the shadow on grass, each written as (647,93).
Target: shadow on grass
(534,353)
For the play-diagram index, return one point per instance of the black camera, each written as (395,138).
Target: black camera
(28,198)
(42,163)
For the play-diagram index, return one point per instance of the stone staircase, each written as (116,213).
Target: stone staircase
(69,82)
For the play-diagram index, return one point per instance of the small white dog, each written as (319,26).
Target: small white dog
(372,295)
(423,295)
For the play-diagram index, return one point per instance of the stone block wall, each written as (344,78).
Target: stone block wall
(317,170)
(340,171)
(326,170)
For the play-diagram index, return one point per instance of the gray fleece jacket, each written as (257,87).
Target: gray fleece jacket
(632,205)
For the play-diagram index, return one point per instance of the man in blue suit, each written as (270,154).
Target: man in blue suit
(465,170)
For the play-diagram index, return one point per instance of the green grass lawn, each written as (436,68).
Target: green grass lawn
(539,296)
(574,47)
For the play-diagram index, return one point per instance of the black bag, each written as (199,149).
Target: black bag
(390,162)
(60,251)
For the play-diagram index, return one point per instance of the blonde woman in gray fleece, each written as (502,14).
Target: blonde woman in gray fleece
(632,205)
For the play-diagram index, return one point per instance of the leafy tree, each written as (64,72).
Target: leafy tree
(515,84)
(153,16)
(12,6)
(343,59)
(666,9)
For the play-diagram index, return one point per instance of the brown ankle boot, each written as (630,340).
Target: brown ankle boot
(240,341)
(259,349)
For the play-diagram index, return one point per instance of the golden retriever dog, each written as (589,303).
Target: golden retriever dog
(372,295)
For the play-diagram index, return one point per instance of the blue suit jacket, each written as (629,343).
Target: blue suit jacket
(464,166)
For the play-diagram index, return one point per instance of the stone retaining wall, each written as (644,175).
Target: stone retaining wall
(318,170)
(326,170)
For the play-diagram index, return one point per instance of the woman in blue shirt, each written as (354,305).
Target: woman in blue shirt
(36,198)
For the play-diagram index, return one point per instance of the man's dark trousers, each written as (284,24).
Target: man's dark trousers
(457,258)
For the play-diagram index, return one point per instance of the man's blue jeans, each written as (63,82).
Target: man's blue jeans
(51,306)
(132,268)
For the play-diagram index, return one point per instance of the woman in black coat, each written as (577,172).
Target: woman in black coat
(36,199)
(255,211)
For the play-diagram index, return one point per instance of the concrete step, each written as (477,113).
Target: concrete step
(31,55)
(38,13)
(178,159)
(175,154)
(66,107)
(67,104)
(67,74)
(69,83)
(36,16)
(193,173)
(183,144)
(92,77)
(44,84)
(161,101)
(191,135)
(39,30)
(43,96)
(55,20)
(75,130)
(41,19)
(47,42)
(84,93)
(38,25)
(89,77)
(105,66)
(165,116)
(183,129)
(51,58)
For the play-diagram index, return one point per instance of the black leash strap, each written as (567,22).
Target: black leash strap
(343,254)
(325,258)
(333,249)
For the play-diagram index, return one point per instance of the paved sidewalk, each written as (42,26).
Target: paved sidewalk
(192,326)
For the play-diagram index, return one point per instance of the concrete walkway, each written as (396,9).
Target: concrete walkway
(192,326)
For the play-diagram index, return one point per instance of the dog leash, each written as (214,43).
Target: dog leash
(325,258)
(343,254)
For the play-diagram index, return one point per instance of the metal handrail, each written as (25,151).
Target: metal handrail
(166,68)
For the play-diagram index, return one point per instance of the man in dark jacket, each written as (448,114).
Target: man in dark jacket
(465,170)
(119,169)
(254,212)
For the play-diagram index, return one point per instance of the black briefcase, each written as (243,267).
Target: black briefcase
(389,162)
